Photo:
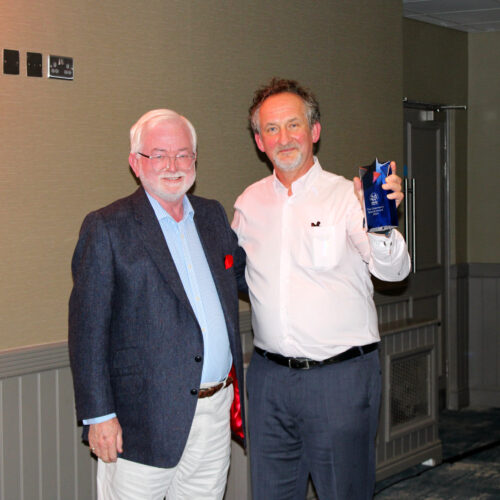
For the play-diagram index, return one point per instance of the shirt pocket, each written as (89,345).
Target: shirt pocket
(321,247)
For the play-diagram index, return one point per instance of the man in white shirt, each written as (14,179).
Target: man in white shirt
(314,379)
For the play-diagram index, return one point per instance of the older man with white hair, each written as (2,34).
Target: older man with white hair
(153,327)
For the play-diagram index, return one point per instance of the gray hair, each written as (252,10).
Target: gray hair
(151,118)
(282,86)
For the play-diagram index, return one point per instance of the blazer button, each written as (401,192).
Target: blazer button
(197,358)
(194,392)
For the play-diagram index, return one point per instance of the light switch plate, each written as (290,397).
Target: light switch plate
(33,64)
(10,62)
(60,67)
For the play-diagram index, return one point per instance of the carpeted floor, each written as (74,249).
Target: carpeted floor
(471,462)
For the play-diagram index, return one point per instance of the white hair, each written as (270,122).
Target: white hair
(151,118)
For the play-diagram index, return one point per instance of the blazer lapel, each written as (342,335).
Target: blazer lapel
(155,244)
(210,236)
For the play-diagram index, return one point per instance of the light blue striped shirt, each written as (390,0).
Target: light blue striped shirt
(191,263)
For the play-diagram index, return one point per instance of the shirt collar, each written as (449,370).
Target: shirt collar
(303,183)
(161,213)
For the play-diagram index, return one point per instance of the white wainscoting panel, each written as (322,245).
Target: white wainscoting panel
(484,334)
(42,456)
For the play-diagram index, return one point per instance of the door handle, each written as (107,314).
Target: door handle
(413,225)
(405,187)
(410,229)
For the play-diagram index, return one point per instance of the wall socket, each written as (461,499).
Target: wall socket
(60,67)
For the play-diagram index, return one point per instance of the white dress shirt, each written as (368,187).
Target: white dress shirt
(310,286)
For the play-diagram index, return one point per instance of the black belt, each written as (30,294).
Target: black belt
(306,363)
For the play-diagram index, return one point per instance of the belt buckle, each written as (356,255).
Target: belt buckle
(298,363)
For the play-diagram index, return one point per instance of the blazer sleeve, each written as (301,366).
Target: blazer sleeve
(239,268)
(90,309)
(239,255)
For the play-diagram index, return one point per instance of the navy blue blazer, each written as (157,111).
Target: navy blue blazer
(135,345)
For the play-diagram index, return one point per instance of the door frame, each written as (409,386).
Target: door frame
(450,371)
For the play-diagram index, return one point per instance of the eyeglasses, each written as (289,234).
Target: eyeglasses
(160,161)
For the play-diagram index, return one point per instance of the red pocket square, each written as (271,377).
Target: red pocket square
(228,261)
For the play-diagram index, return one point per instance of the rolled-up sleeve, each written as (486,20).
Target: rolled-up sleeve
(389,259)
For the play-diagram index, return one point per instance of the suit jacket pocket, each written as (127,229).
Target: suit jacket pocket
(126,362)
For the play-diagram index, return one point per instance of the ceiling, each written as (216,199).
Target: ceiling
(465,15)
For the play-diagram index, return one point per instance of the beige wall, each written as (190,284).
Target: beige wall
(435,71)
(435,63)
(483,208)
(65,144)
(452,67)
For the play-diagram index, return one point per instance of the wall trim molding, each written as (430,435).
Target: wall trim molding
(33,359)
(475,270)
(39,358)
(245,322)
(490,270)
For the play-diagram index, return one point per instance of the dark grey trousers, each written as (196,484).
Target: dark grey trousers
(321,422)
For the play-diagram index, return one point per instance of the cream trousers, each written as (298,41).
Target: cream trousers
(200,474)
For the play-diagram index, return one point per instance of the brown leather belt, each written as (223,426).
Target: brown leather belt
(306,363)
(210,391)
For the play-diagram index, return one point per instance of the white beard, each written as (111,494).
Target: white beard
(168,196)
(288,166)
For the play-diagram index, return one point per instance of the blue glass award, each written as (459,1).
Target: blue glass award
(381,213)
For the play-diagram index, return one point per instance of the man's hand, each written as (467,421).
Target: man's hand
(392,182)
(105,439)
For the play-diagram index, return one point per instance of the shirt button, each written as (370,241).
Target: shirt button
(197,358)
(194,392)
